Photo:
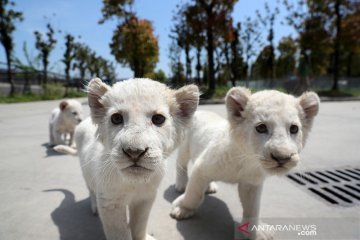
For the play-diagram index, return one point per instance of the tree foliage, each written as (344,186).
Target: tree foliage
(268,21)
(8,17)
(204,24)
(134,44)
(68,57)
(321,26)
(286,62)
(45,46)
(176,67)
(250,38)
(118,9)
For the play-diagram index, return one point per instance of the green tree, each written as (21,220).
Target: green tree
(183,35)
(350,43)
(69,56)
(268,21)
(8,17)
(237,61)
(316,45)
(177,68)
(250,41)
(158,75)
(134,44)
(308,26)
(45,46)
(286,62)
(335,12)
(215,16)
(260,67)
(108,71)
(81,60)
(94,65)
(197,35)
(320,28)
(119,9)
(224,54)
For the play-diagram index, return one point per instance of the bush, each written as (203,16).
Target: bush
(53,91)
(72,93)
(221,91)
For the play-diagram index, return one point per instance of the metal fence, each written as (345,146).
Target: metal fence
(31,80)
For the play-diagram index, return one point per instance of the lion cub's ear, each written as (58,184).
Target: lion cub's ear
(187,99)
(236,100)
(96,89)
(63,105)
(309,101)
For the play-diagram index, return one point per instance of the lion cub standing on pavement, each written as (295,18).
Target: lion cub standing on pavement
(63,121)
(264,135)
(134,126)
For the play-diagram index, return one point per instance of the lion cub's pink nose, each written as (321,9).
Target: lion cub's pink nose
(135,154)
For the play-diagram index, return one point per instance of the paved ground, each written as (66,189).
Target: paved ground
(43,196)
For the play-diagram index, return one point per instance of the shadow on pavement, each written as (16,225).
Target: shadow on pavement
(50,151)
(75,220)
(211,221)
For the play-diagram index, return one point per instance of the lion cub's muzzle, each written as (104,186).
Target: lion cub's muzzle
(135,155)
(281,159)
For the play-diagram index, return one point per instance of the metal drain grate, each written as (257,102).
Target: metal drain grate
(336,186)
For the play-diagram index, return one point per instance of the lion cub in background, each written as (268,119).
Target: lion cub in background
(134,126)
(263,136)
(63,121)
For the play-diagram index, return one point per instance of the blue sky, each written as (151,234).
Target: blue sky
(80,17)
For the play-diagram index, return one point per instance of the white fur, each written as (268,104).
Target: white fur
(66,149)
(233,151)
(116,185)
(63,121)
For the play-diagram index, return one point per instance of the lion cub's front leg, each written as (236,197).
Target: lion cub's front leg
(139,215)
(250,197)
(113,217)
(186,204)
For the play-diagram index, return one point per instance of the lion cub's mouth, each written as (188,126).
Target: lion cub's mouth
(137,168)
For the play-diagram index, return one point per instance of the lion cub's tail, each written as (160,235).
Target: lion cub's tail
(65,149)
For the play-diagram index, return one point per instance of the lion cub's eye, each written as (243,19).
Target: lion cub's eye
(158,119)
(74,113)
(294,129)
(117,119)
(261,128)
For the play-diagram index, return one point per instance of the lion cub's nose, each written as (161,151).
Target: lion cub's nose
(135,154)
(280,159)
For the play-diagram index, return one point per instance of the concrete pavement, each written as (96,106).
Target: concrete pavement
(43,195)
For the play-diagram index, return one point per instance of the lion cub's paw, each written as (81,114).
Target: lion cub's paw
(264,235)
(180,213)
(149,237)
(179,188)
(212,188)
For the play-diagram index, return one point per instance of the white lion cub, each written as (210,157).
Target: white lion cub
(134,126)
(264,135)
(63,121)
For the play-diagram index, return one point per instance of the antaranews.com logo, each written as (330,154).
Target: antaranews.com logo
(302,230)
(299,228)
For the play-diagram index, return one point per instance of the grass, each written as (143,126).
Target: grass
(53,92)
(56,91)
(339,93)
(220,92)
